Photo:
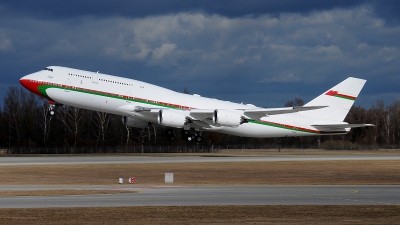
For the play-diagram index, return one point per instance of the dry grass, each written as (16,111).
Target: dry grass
(237,173)
(284,214)
(291,151)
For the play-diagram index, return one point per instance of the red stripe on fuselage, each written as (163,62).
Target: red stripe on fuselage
(32,86)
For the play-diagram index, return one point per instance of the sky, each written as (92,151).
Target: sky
(263,52)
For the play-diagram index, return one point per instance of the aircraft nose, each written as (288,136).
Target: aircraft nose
(24,81)
(30,84)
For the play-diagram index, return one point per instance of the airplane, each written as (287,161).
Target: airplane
(142,104)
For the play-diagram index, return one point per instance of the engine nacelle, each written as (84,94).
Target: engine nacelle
(133,122)
(226,118)
(171,118)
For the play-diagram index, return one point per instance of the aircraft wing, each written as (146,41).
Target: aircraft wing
(132,110)
(261,112)
(201,114)
(339,126)
(204,117)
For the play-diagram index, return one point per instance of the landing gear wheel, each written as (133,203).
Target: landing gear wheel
(198,139)
(189,138)
(191,135)
(169,132)
(171,138)
(51,110)
(170,135)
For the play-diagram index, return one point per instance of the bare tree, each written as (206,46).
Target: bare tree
(155,133)
(386,127)
(394,114)
(213,138)
(102,121)
(142,135)
(295,102)
(378,115)
(71,118)
(13,113)
(149,133)
(357,115)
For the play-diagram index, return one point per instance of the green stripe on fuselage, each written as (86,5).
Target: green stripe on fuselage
(283,126)
(43,89)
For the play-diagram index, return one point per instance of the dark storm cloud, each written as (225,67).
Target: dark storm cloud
(51,9)
(260,52)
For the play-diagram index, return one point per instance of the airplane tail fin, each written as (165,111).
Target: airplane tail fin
(338,100)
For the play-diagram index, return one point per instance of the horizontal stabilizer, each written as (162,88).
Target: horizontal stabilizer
(339,126)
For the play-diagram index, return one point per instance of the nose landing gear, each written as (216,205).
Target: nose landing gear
(51,111)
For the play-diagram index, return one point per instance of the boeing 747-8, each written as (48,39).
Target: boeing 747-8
(141,104)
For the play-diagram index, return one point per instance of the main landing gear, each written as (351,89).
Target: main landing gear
(170,135)
(187,135)
(191,135)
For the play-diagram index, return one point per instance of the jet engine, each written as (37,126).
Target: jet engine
(227,118)
(133,122)
(171,118)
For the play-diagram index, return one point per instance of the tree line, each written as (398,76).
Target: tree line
(25,123)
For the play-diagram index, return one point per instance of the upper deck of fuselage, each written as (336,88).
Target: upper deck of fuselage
(75,78)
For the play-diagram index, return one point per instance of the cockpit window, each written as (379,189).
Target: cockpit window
(49,69)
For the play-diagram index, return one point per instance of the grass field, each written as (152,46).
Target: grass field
(235,173)
(284,214)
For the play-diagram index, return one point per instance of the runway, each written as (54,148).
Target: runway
(69,160)
(215,195)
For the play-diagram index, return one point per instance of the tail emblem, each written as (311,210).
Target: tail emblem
(337,94)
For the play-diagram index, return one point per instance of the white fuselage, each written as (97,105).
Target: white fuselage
(106,93)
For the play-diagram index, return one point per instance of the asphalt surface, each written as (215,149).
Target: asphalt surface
(215,195)
(69,160)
